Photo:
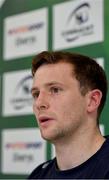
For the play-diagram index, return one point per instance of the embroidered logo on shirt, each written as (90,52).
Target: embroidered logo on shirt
(45,165)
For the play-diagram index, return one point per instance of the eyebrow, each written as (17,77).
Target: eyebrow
(47,85)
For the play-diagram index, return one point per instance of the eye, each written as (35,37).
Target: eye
(55,90)
(35,94)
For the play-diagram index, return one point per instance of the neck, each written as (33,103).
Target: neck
(72,153)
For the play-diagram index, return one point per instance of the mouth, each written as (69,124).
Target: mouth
(44,119)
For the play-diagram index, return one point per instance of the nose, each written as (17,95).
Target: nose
(42,101)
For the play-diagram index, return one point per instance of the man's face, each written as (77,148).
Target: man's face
(59,107)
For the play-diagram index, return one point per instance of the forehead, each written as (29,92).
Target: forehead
(61,73)
(58,70)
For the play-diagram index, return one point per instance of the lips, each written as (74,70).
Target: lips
(44,119)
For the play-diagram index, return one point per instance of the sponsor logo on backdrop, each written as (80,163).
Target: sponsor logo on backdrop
(77,23)
(22,150)
(25,34)
(24,41)
(23,92)
(79,18)
(17,98)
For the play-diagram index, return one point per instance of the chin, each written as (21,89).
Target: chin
(49,137)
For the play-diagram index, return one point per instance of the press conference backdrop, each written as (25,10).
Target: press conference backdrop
(28,27)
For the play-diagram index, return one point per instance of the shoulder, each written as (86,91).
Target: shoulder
(104,150)
(42,168)
(105,146)
(103,154)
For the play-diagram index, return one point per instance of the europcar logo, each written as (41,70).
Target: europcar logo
(23,29)
(30,39)
(18,147)
(23,145)
(25,33)
(19,154)
(22,93)
(78,23)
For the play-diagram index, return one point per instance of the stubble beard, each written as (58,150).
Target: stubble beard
(57,134)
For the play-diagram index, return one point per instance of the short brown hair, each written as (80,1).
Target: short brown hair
(87,71)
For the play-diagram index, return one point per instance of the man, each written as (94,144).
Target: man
(69,92)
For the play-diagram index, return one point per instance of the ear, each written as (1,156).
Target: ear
(94,99)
